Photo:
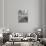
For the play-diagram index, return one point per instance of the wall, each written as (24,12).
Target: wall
(44,18)
(1,15)
(34,17)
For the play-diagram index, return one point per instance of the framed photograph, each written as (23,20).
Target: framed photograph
(22,16)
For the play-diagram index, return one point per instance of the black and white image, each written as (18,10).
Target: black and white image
(23,16)
(22,22)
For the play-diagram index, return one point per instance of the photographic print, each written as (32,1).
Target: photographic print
(22,16)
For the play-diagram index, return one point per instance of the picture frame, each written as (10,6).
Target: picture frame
(23,16)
